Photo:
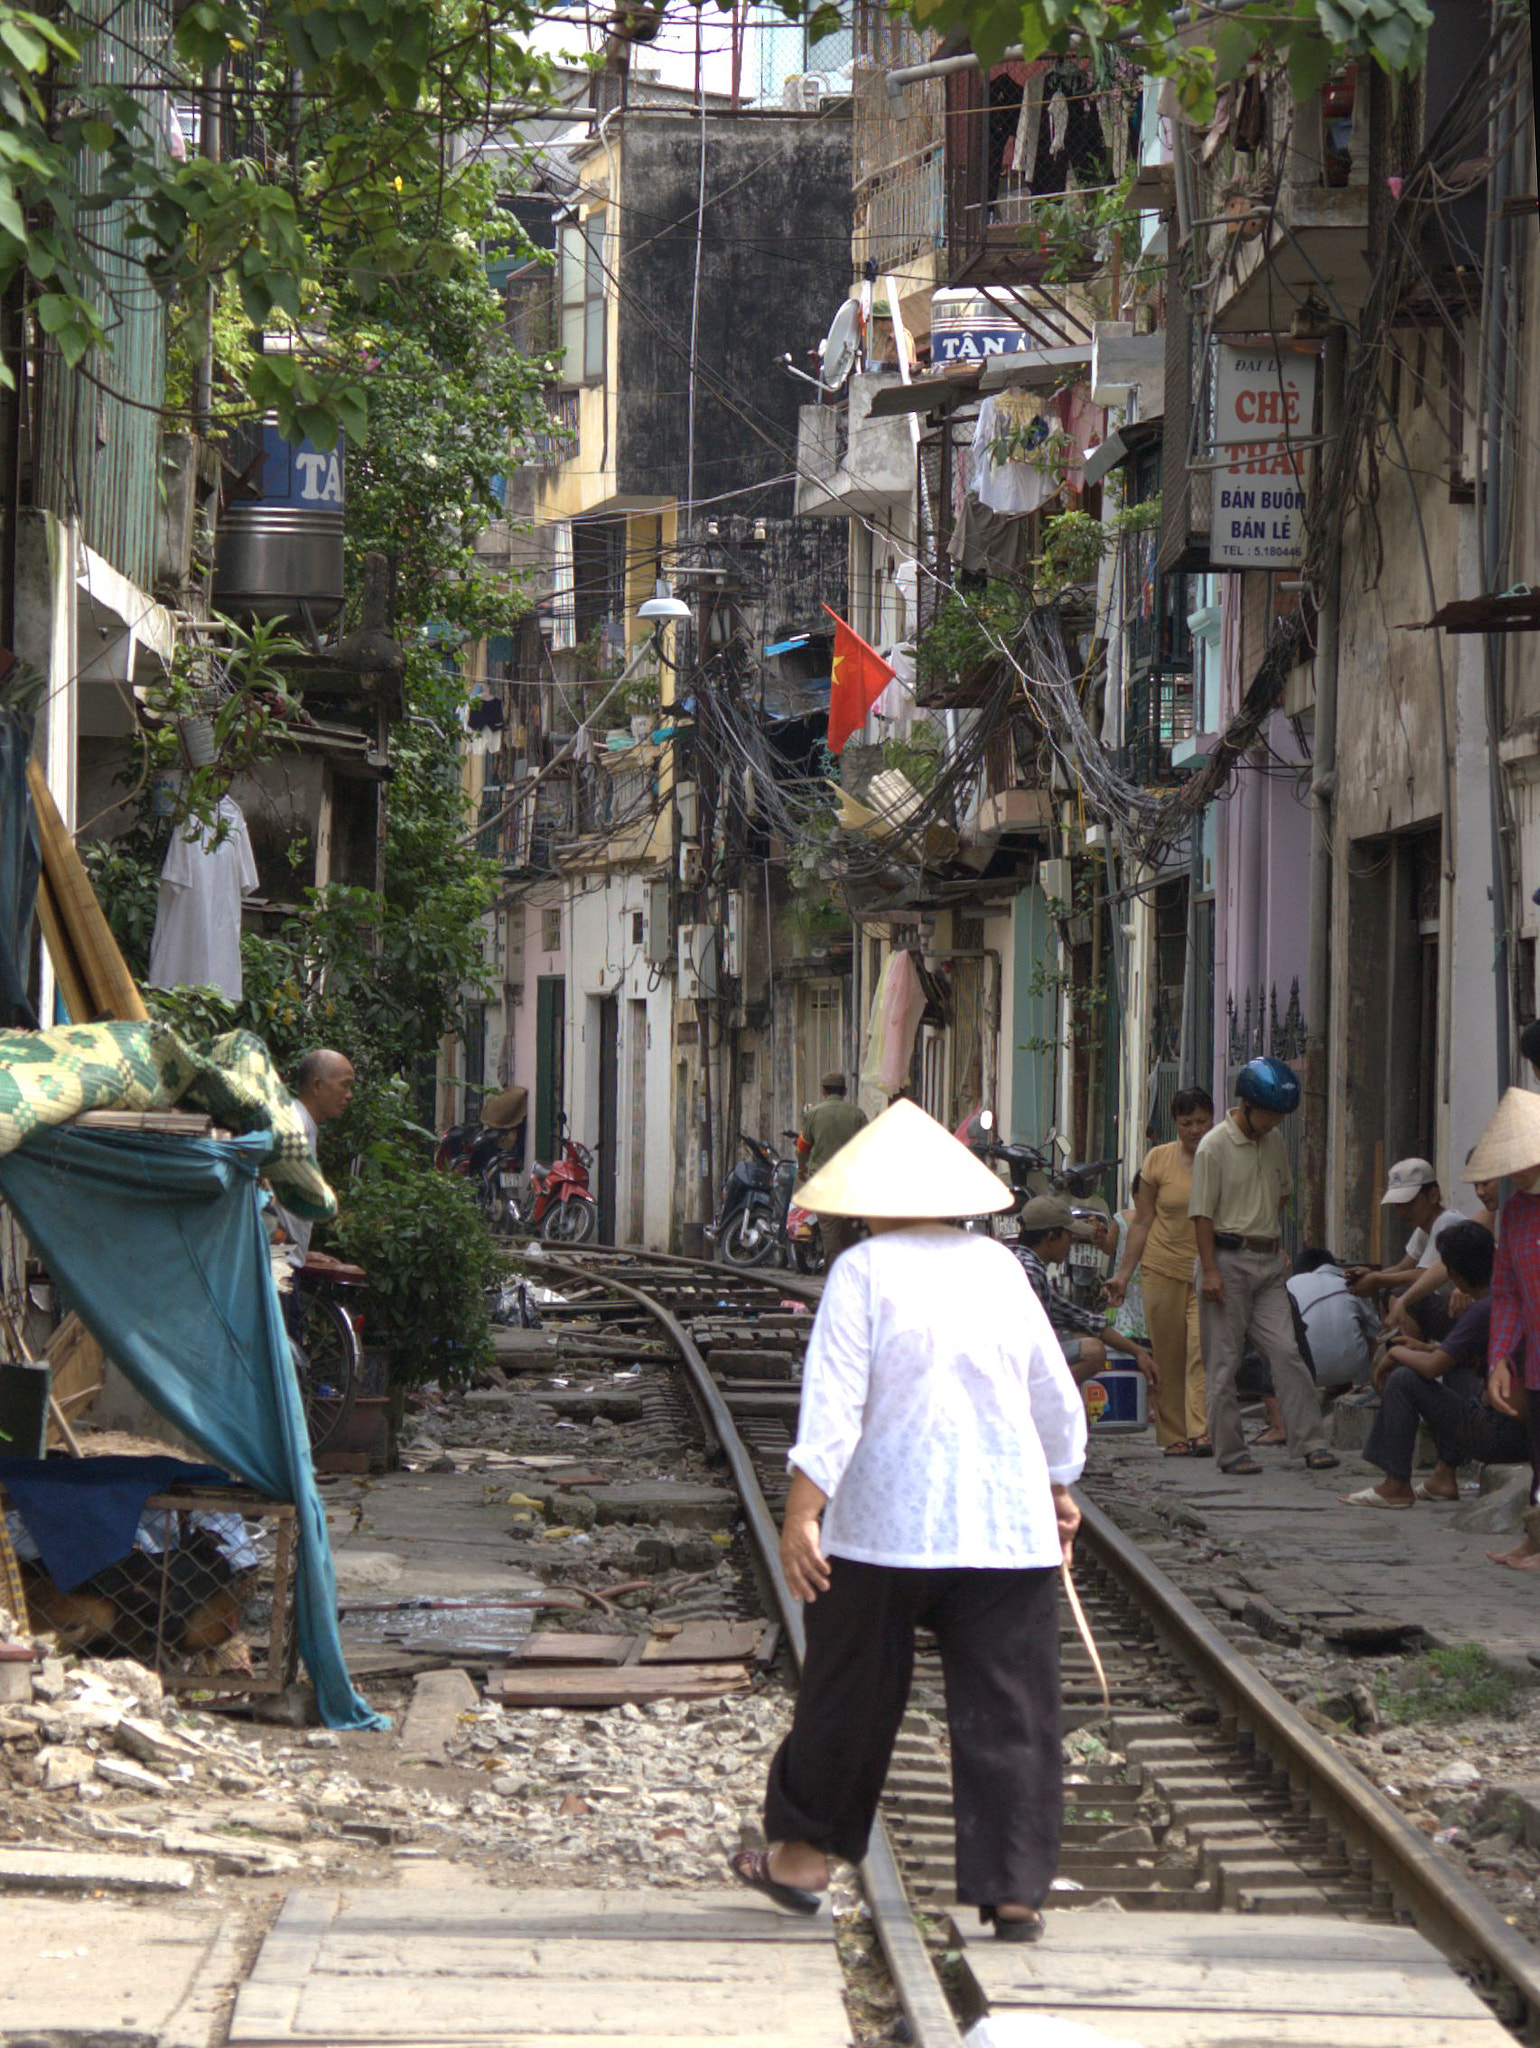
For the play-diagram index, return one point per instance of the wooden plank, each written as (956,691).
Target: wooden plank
(516,1688)
(361,1951)
(1135,1980)
(439,1698)
(1120,2029)
(704,1642)
(560,1646)
(707,1913)
(1229,1936)
(514,2036)
(337,2010)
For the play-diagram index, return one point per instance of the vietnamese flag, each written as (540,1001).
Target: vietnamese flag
(859,679)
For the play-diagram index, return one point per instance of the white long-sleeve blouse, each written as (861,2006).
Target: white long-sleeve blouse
(937,1406)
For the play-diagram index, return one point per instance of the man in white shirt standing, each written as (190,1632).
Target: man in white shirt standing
(939,1435)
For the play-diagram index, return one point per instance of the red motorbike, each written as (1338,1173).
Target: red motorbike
(557,1203)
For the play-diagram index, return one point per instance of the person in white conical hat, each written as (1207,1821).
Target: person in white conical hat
(1509,1149)
(940,1432)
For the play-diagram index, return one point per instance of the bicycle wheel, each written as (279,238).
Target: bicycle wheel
(326,1358)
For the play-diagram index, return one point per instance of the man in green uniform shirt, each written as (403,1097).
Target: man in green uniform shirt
(829,1125)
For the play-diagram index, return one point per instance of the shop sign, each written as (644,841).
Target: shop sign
(1264,411)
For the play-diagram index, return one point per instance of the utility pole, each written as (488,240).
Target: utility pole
(1315,1164)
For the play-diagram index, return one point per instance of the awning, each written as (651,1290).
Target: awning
(894,801)
(1510,611)
(1118,446)
(1039,368)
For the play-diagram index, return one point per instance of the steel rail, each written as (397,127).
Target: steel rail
(926,2009)
(1443,1903)
(806,1286)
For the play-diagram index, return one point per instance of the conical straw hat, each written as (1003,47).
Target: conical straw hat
(1511,1141)
(904,1164)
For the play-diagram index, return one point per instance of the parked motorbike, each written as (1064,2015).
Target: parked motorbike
(1030,1173)
(750,1227)
(804,1240)
(486,1155)
(557,1203)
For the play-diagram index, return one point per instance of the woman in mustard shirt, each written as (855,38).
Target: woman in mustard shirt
(1160,1243)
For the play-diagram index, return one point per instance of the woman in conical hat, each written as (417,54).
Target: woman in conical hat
(939,1434)
(1509,1149)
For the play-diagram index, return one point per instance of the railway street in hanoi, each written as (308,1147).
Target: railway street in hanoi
(769,1025)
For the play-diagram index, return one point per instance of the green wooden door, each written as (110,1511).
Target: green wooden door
(550,1062)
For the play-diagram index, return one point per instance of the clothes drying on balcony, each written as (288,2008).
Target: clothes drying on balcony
(1019,481)
(207,870)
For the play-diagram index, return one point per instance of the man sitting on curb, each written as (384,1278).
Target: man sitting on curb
(1443,1385)
(1411,1186)
(1085,1336)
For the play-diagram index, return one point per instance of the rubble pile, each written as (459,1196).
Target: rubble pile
(662,1791)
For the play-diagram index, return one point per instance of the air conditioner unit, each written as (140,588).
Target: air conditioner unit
(689,865)
(660,941)
(1056,879)
(804,92)
(734,935)
(697,961)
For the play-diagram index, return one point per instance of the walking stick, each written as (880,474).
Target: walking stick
(1086,1636)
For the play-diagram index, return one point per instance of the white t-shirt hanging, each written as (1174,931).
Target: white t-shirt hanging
(1013,487)
(208,869)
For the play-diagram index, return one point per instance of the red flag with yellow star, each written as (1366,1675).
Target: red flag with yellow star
(860,676)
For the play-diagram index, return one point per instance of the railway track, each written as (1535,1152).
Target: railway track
(1203,1791)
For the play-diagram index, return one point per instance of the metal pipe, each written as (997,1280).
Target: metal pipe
(1494,364)
(1323,791)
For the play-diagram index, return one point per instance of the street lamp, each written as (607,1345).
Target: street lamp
(663,606)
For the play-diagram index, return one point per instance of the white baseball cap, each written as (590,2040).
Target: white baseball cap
(1406,1181)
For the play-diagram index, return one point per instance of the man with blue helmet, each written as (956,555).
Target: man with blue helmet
(1240,1181)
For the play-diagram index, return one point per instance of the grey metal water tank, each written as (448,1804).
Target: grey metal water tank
(279,554)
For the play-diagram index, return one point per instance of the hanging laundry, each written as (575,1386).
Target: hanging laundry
(1082,422)
(208,869)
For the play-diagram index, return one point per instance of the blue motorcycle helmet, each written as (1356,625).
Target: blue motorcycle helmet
(1268,1084)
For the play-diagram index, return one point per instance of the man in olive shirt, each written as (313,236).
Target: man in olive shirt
(1240,1182)
(831,1124)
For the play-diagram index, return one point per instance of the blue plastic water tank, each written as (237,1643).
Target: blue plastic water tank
(279,555)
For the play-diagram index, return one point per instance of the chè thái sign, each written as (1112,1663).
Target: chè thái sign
(1264,409)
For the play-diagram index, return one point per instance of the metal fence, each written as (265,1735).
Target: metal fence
(98,431)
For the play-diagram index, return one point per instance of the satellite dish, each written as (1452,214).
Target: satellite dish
(840,345)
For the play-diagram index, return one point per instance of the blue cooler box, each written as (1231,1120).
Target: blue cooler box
(1117,1398)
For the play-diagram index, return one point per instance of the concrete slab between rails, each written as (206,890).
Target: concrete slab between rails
(1370,1582)
(103,1971)
(1227,1980)
(633,1969)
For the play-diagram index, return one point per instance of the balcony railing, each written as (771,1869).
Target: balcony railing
(1159,717)
(901,210)
(1030,149)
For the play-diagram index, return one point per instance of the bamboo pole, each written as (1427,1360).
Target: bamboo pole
(66,968)
(110,988)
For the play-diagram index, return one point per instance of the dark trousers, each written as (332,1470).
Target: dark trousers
(998,1633)
(1463,1428)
